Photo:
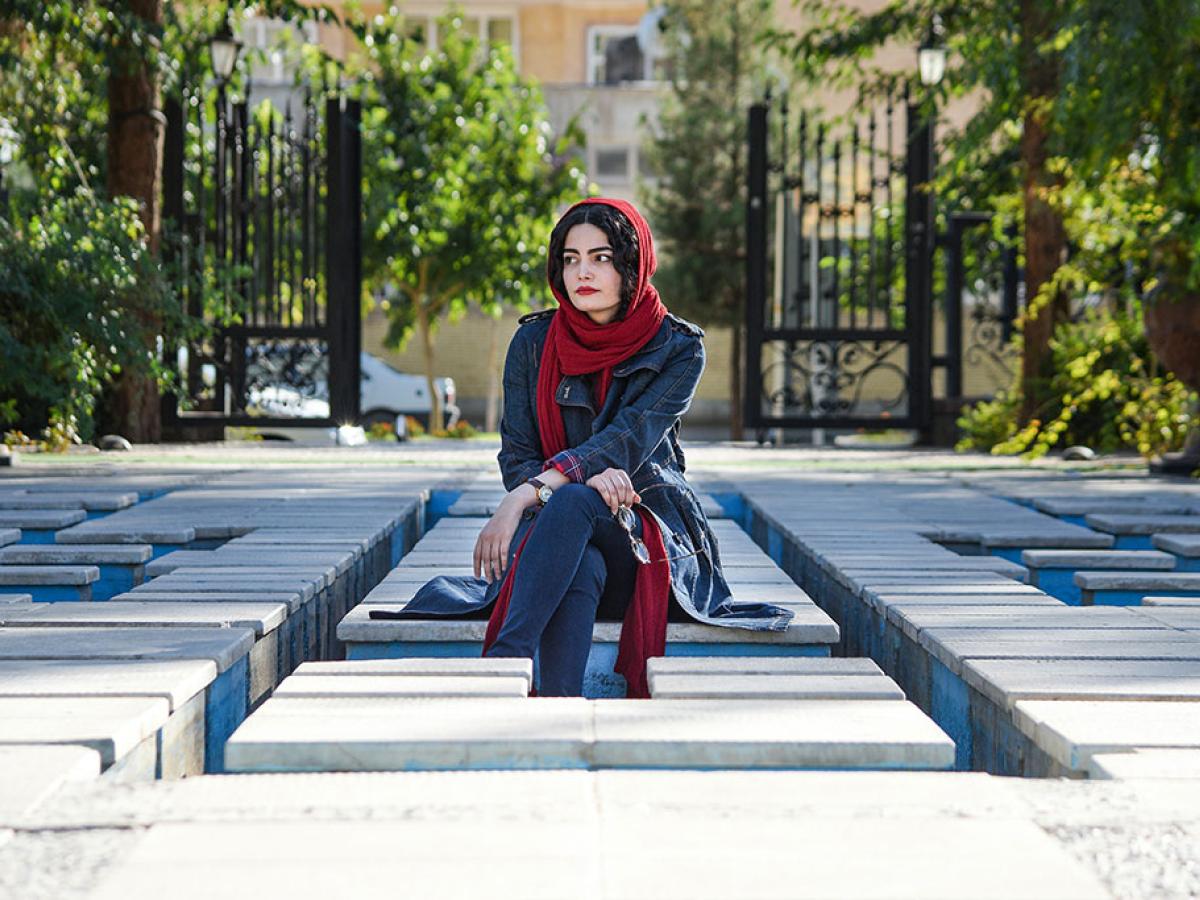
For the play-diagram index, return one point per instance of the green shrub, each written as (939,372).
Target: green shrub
(81,300)
(1107,391)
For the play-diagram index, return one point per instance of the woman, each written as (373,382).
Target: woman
(598,519)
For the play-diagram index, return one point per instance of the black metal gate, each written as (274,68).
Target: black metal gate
(263,217)
(839,274)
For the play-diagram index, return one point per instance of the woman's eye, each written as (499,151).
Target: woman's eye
(603,257)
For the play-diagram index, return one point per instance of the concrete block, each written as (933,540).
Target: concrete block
(1073,731)
(478,667)
(76,555)
(262,617)
(224,646)
(40,519)
(7,599)
(1007,681)
(774,687)
(292,601)
(394,734)
(48,575)
(31,773)
(1145,763)
(758,665)
(1185,545)
(1121,524)
(105,532)
(364,686)
(175,681)
(733,734)
(113,726)
(1097,559)
(9,536)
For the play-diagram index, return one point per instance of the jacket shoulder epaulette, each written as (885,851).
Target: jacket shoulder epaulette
(536,316)
(684,326)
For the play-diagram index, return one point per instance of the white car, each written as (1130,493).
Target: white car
(387,394)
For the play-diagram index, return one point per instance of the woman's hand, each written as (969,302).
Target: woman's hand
(491,547)
(614,488)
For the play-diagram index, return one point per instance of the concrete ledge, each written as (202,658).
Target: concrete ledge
(112,726)
(1185,545)
(173,680)
(1097,559)
(774,686)
(40,519)
(477,667)
(1145,763)
(48,575)
(757,665)
(401,685)
(1116,523)
(15,598)
(80,554)
(9,536)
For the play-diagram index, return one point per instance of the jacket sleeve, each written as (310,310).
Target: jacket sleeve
(642,422)
(520,454)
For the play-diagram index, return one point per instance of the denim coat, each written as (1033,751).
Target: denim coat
(637,430)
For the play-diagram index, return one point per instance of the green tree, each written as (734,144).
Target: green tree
(1009,55)
(81,85)
(461,179)
(717,56)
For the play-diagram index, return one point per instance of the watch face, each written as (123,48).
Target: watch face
(544,494)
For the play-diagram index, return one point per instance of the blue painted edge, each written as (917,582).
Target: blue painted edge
(438,505)
(224,711)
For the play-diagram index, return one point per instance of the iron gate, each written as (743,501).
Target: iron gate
(263,212)
(839,272)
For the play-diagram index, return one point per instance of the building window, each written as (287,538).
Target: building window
(612,164)
(494,29)
(614,56)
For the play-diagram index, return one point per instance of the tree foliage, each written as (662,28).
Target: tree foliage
(697,205)
(462,178)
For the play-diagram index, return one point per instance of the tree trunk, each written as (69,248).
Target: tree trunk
(492,415)
(135,144)
(736,367)
(1045,236)
(425,330)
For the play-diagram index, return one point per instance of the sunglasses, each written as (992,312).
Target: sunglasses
(627,519)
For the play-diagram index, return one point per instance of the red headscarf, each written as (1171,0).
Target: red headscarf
(575,345)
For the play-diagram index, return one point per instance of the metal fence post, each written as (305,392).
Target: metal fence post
(756,263)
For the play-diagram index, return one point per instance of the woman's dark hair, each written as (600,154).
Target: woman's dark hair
(621,237)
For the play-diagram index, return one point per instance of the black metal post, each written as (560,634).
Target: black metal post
(343,263)
(1012,282)
(756,264)
(172,211)
(918,262)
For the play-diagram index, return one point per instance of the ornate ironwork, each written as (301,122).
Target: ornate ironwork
(265,208)
(988,348)
(837,275)
(832,379)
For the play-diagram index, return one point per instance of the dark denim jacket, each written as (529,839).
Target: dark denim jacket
(636,430)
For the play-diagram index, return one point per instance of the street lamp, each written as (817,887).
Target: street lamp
(224,48)
(931,55)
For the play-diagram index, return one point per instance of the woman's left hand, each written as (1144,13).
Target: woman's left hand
(615,488)
(491,547)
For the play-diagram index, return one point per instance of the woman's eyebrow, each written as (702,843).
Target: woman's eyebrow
(604,249)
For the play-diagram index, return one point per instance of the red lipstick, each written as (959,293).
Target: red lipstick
(586,290)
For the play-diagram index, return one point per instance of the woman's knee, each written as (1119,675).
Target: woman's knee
(577,497)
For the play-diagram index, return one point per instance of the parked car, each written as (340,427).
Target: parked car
(387,393)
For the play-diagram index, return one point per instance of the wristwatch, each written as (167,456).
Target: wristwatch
(544,493)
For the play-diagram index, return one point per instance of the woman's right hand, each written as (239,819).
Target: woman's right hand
(615,488)
(491,547)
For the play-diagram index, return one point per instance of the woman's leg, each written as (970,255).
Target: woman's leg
(549,562)
(567,639)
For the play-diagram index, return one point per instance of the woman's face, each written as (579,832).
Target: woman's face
(592,281)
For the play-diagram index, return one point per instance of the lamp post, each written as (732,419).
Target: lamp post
(224,48)
(919,213)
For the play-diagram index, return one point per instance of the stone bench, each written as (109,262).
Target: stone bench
(1010,544)
(201,724)
(40,526)
(1184,547)
(1075,509)
(9,536)
(1054,570)
(163,538)
(1075,732)
(1136,532)
(750,678)
(123,731)
(15,598)
(95,505)
(410,678)
(122,566)
(392,734)
(482,502)
(1128,588)
(50,583)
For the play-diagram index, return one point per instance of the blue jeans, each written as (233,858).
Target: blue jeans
(576,565)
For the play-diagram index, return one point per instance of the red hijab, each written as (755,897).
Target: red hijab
(575,345)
